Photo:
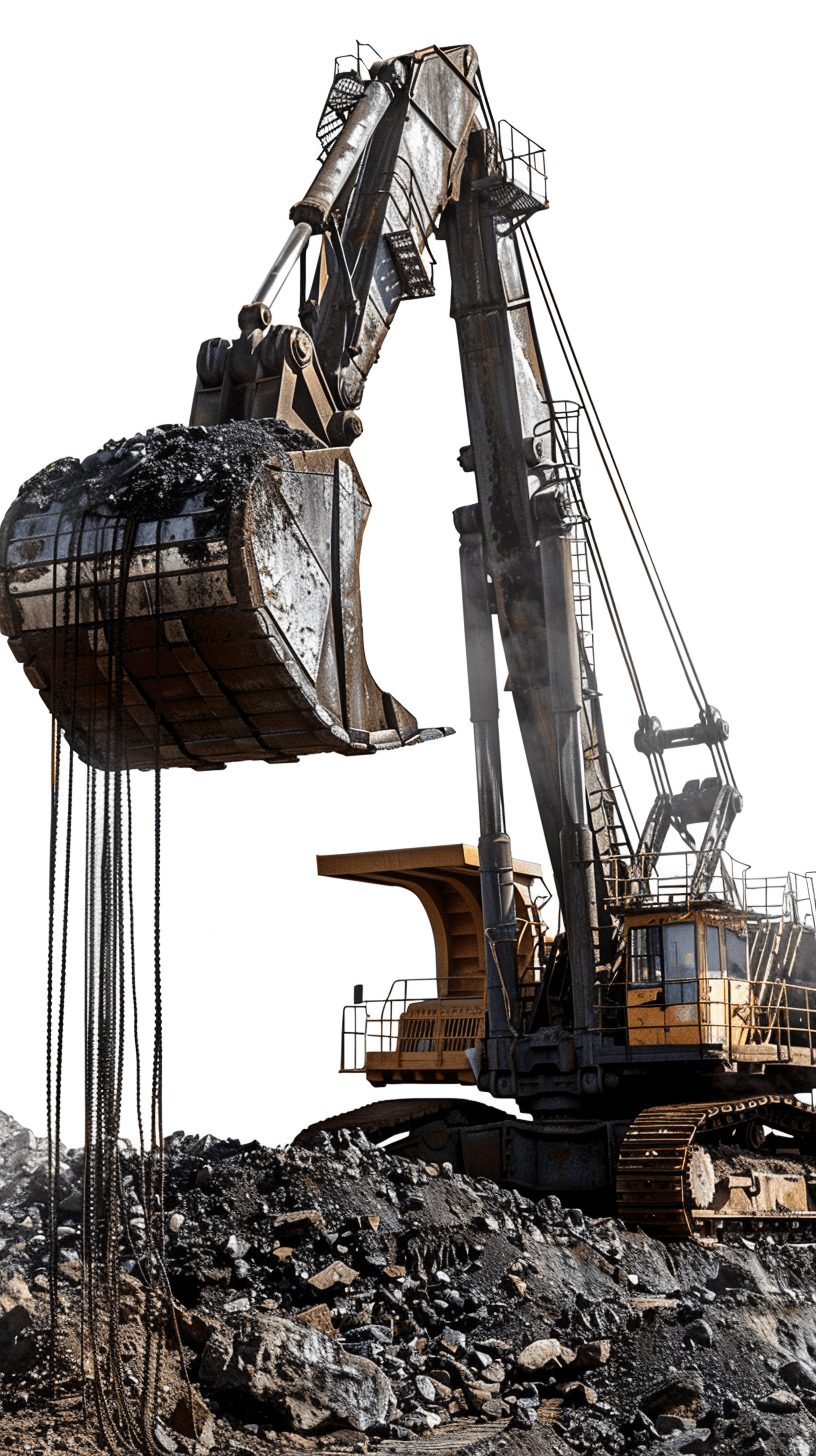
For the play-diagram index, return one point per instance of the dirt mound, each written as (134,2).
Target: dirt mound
(342,1296)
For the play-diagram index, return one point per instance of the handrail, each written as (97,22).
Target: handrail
(780,1024)
(441,1030)
(793,895)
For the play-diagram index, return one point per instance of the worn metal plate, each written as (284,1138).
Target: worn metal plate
(195,600)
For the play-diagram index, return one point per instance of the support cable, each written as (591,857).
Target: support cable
(613,472)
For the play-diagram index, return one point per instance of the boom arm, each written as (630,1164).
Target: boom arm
(375,202)
(410,161)
(525,535)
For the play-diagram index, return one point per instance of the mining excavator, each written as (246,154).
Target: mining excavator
(190,598)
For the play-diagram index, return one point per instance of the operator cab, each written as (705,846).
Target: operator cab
(737,983)
(687,978)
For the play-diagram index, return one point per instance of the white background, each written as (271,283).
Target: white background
(152,154)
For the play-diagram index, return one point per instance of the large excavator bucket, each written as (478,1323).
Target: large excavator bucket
(191,598)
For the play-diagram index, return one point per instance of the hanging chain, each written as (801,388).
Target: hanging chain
(126,1417)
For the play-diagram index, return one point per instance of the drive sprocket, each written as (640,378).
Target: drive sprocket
(701,1180)
(666,1179)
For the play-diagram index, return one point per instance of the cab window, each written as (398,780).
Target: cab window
(679,963)
(645,955)
(713,962)
(736,955)
(665,955)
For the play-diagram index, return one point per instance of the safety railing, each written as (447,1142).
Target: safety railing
(633,883)
(351,76)
(418,1017)
(792,896)
(752,1020)
(783,1014)
(412,1019)
(524,162)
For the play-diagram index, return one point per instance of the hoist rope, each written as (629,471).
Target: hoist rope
(657,767)
(717,748)
(613,472)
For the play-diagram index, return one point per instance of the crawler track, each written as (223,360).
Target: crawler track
(385,1119)
(655,1176)
(653,1171)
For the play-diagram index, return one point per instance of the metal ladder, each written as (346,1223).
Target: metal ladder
(603,804)
(582,596)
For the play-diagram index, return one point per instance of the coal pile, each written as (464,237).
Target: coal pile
(155,473)
(342,1297)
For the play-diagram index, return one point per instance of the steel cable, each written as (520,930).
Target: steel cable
(613,472)
(717,749)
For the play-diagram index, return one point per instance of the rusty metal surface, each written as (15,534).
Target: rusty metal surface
(509,401)
(201,597)
(404,180)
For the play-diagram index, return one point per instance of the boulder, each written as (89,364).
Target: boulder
(680,1395)
(300,1221)
(494,1374)
(318,1316)
(699,1332)
(477,1395)
(576,1393)
(780,1402)
(592,1354)
(799,1375)
(23,1168)
(17,1344)
(191,1418)
(303,1376)
(543,1354)
(496,1409)
(194,1328)
(425,1388)
(336,1273)
(669,1425)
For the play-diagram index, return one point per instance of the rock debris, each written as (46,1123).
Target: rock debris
(342,1297)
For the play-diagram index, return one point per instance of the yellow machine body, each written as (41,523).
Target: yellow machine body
(692,979)
(422,1030)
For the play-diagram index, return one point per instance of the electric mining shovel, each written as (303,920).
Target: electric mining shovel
(191,598)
